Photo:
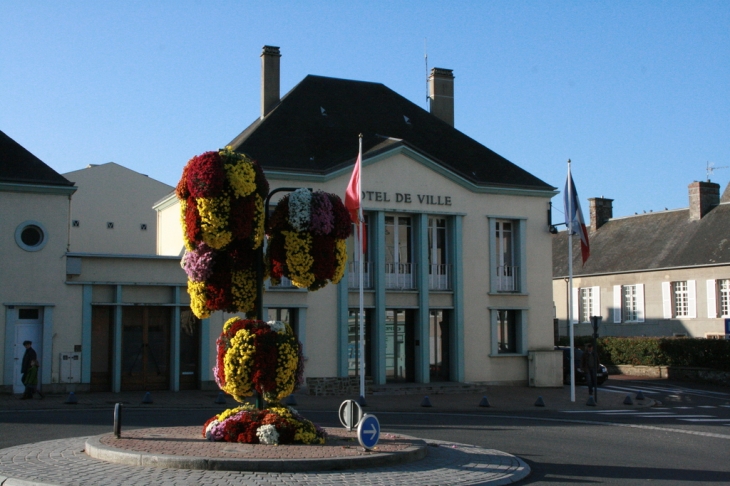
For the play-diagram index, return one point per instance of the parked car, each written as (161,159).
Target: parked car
(580,376)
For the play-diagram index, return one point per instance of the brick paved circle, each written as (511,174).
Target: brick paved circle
(64,463)
(185,448)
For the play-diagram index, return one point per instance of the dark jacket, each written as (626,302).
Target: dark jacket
(29,356)
(589,361)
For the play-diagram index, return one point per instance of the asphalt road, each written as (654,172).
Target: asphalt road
(686,440)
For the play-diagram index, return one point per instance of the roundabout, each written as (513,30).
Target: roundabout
(171,459)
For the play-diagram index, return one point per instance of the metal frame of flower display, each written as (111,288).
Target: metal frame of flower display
(224,199)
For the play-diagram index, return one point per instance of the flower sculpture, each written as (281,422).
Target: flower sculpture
(261,356)
(266,357)
(222,209)
(307,239)
(273,426)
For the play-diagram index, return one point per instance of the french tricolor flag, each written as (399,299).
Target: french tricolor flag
(574,217)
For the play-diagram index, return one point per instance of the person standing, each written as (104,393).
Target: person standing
(589,365)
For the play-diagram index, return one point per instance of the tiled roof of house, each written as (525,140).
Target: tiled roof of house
(665,239)
(19,166)
(314,129)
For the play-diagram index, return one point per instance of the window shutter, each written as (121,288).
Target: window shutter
(596,304)
(616,304)
(711,299)
(640,302)
(576,306)
(691,299)
(667,299)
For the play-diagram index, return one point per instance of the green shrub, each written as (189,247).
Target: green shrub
(645,351)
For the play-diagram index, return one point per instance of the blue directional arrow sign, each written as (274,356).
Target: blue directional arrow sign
(368,431)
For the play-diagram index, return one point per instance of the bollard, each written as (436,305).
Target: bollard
(540,402)
(71,400)
(591,401)
(425,402)
(220,399)
(118,420)
(361,401)
(291,401)
(628,400)
(147,398)
(484,402)
(640,395)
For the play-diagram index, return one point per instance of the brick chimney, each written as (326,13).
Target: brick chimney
(703,196)
(269,79)
(601,210)
(441,93)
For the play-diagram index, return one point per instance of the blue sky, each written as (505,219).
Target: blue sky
(637,94)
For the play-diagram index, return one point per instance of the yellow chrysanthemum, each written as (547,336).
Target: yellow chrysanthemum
(241,176)
(341,255)
(298,257)
(214,212)
(196,290)
(243,288)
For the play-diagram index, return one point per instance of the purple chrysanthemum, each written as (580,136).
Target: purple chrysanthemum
(198,264)
(322,220)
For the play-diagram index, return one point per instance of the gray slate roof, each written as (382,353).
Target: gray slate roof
(19,166)
(649,241)
(314,129)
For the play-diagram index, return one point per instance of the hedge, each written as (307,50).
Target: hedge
(661,351)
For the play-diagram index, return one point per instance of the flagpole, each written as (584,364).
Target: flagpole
(360,275)
(569,222)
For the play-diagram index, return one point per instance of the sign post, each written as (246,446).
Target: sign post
(595,320)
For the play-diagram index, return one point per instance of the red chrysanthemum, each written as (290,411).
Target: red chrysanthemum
(323,250)
(242,216)
(192,220)
(205,175)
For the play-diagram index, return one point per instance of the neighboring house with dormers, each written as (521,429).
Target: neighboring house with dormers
(664,273)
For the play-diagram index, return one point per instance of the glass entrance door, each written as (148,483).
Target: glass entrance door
(438,345)
(399,345)
(145,348)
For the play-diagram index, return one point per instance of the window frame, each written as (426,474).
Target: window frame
(620,306)
(670,293)
(520,331)
(519,255)
(578,308)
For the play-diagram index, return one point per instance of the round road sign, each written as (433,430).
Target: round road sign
(368,431)
(350,414)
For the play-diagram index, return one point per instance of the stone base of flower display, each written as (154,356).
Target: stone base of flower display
(184,448)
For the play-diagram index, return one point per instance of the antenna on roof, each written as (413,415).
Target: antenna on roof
(711,168)
(425,57)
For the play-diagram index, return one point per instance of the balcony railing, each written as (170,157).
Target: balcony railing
(507,279)
(439,277)
(353,279)
(285,283)
(400,276)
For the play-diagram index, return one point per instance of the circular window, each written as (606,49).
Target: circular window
(30,236)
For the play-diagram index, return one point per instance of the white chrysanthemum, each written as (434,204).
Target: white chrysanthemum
(300,209)
(268,435)
(277,326)
(209,428)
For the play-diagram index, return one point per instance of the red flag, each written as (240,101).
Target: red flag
(352,196)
